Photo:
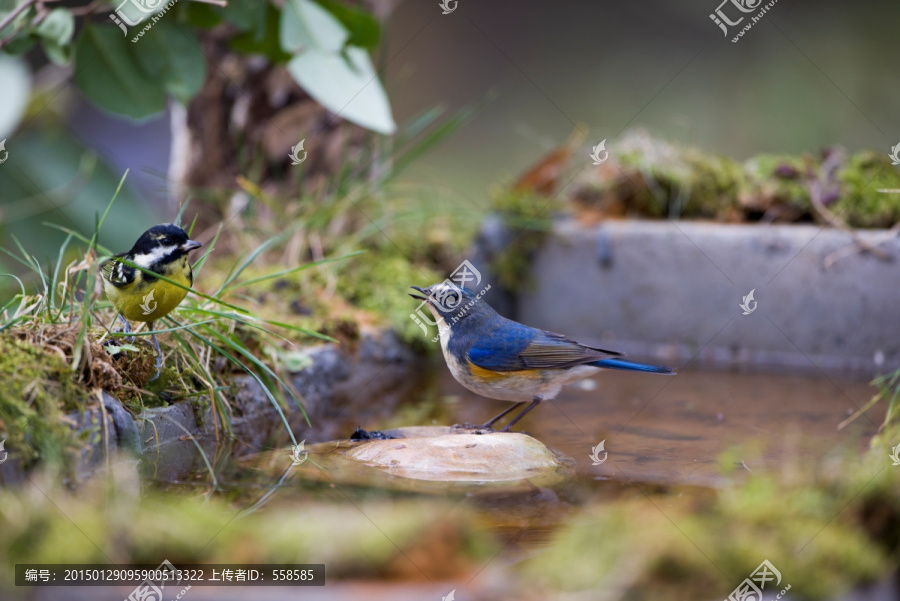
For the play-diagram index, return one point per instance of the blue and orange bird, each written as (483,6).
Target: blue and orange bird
(502,359)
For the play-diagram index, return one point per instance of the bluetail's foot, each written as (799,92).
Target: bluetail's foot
(478,429)
(488,426)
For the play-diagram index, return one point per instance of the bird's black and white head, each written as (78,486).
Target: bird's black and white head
(451,302)
(160,246)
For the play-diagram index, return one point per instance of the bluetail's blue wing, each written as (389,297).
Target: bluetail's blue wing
(514,346)
(549,351)
(499,348)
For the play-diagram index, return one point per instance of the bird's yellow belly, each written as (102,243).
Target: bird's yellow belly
(147,302)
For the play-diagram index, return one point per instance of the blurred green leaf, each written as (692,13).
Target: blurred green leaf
(345,84)
(307,26)
(109,74)
(6,7)
(265,42)
(58,54)
(15,82)
(172,53)
(56,35)
(408,153)
(132,78)
(201,15)
(58,26)
(248,15)
(20,44)
(365,31)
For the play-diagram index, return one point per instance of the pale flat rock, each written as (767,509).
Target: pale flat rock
(439,454)
(426,459)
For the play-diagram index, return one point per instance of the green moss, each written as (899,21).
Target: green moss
(860,204)
(379,284)
(777,179)
(37,527)
(678,182)
(526,215)
(38,389)
(666,554)
(660,179)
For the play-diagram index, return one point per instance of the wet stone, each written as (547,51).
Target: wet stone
(443,454)
(424,459)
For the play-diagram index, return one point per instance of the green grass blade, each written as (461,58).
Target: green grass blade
(31,262)
(25,262)
(84,321)
(221,404)
(251,322)
(420,123)
(96,235)
(24,298)
(232,275)
(59,260)
(300,330)
(265,389)
(285,272)
(236,346)
(209,248)
(432,139)
(152,332)
(248,321)
(181,209)
(79,236)
(190,231)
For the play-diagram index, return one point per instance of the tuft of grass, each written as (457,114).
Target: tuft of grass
(256,291)
(67,305)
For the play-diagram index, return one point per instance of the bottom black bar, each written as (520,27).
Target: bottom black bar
(166,576)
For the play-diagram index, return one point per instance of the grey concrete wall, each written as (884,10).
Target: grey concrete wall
(672,290)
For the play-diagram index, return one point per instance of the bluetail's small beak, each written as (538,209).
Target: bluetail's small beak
(416,296)
(190,245)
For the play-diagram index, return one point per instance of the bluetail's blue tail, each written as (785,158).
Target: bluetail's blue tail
(633,366)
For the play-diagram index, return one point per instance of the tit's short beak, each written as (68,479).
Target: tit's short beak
(190,245)
(416,296)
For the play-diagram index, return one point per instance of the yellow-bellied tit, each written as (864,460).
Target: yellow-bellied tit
(502,359)
(138,295)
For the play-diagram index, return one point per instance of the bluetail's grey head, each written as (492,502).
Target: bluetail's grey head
(449,300)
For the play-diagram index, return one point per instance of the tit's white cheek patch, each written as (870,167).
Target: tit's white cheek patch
(147,260)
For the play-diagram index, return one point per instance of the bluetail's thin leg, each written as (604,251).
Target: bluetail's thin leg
(487,425)
(537,401)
